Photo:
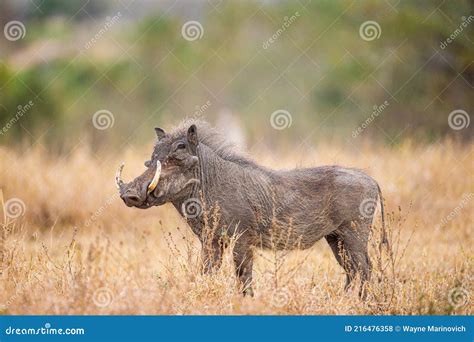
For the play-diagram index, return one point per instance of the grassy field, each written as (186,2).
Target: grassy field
(70,246)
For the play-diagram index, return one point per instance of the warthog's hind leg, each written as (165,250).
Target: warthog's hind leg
(337,247)
(350,247)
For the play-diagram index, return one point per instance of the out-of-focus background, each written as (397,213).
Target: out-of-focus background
(327,63)
(385,86)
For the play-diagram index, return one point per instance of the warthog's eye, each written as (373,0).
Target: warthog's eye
(181,146)
(148,163)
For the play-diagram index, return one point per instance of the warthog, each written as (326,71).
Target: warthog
(223,194)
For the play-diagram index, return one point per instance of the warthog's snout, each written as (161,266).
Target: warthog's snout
(136,192)
(133,196)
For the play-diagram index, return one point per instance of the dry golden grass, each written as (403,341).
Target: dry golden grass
(78,250)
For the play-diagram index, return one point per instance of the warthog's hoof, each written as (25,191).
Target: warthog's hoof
(248,292)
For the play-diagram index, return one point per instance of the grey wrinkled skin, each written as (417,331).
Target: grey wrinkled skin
(223,194)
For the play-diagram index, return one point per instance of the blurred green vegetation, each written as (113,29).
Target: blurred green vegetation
(319,69)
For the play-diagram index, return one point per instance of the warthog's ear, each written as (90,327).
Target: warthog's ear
(159,133)
(192,137)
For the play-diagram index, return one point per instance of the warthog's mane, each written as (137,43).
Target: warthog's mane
(213,139)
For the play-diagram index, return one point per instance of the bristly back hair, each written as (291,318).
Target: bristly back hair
(214,139)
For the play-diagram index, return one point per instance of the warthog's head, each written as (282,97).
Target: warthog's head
(170,173)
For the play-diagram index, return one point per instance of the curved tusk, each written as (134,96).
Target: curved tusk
(156,178)
(118,176)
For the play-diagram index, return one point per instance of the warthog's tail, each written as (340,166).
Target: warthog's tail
(383,240)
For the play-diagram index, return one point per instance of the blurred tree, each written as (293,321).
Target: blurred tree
(25,109)
(72,9)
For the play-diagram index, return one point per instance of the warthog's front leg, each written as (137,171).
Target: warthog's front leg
(211,256)
(243,260)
